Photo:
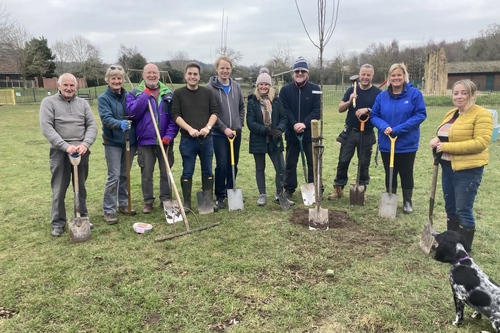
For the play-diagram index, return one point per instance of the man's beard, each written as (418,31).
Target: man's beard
(151,86)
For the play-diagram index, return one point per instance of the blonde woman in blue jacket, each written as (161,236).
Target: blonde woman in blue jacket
(398,112)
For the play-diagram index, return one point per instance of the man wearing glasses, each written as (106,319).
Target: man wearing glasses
(301,100)
(159,97)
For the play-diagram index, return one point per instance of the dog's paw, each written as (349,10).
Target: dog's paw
(457,322)
(476,315)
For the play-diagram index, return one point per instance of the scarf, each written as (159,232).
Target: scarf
(266,110)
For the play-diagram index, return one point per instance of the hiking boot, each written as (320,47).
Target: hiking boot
(124,210)
(56,232)
(262,200)
(110,219)
(220,204)
(277,200)
(148,208)
(337,194)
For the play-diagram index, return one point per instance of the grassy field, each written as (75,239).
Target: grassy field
(256,272)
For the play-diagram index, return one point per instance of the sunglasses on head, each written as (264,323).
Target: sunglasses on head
(300,71)
(116,67)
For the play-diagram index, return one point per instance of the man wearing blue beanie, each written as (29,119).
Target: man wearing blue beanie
(301,100)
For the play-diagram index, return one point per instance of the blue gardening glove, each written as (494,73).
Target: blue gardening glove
(125,125)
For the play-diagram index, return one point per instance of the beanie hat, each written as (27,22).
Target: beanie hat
(264,77)
(301,64)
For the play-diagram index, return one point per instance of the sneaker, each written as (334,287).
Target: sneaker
(148,208)
(110,219)
(56,232)
(339,193)
(220,204)
(277,200)
(262,200)
(124,210)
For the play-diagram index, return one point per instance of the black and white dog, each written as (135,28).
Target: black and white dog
(469,284)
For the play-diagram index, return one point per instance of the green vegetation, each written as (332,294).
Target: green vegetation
(256,272)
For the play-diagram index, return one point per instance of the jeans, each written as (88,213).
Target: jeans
(147,157)
(190,148)
(223,169)
(292,158)
(260,167)
(116,183)
(459,191)
(62,170)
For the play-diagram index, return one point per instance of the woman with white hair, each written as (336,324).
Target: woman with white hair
(266,120)
(115,121)
(398,112)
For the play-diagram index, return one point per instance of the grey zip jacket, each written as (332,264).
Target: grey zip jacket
(231,106)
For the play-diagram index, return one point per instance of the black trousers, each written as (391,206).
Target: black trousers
(350,142)
(292,159)
(403,165)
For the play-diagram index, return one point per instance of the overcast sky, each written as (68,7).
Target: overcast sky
(162,27)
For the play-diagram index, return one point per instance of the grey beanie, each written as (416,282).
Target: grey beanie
(264,77)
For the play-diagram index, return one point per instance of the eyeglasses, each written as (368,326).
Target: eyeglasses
(152,73)
(300,71)
(116,68)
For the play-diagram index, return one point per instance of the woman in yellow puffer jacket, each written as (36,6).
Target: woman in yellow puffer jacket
(463,138)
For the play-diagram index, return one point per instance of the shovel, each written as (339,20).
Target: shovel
(306,189)
(357,192)
(204,197)
(172,211)
(285,204)
(427,239)
(79,227)
(389,201)
(318,217)
(234,196)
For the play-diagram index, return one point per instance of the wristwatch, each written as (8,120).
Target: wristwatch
(209,127)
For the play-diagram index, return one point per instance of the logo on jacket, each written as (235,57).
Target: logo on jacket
(406,102)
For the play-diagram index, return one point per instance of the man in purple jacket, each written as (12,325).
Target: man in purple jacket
(160,98)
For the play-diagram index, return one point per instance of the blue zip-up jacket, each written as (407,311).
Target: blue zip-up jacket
(403,114)
(301,106)
(112,110)
(138,109)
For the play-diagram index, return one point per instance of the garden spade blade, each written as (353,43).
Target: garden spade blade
(79,227)
(172,212)
(357,192)
(318,217)
(283,200)
(234,196)
(307,189)
(389,201)
(427,235)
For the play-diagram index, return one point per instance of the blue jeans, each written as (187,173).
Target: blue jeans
(190,148)
(459,190)
(223,169)
(116,183)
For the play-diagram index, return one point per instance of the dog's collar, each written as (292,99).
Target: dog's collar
(461,259)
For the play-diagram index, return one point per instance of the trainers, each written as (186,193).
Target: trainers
(124,210)
(56,232)
(277,200)
(262,200)
(220,204)
(148,208)
(339,193)
(110,219)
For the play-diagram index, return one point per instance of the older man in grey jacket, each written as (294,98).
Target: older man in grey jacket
(69,125)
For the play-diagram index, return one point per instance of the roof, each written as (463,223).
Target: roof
(473,67)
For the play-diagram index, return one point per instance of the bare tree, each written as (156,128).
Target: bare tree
(179,60)
(281,57)
(18,37)
(7,23)
(63,53)
(231,53)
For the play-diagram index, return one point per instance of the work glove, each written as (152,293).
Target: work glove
(147,91)
(277,134)
(269,131)
(125,125)
(165,141)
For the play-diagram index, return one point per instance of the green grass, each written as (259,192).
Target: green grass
(256,272)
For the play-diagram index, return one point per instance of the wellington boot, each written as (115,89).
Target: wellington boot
(407,207)
(452,224)
(208,185)
(187,184)
(468,233)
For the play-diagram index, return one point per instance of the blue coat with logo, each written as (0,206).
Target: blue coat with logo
(404,114)
(138,109)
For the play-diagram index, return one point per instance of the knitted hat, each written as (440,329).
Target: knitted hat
(264,77)
(301,64)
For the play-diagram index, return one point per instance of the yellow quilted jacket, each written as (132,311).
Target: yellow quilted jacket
(469,138)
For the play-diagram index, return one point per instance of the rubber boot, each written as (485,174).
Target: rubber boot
(452,224)
(208,185)
(187,184)
(407,208)
(468,233)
